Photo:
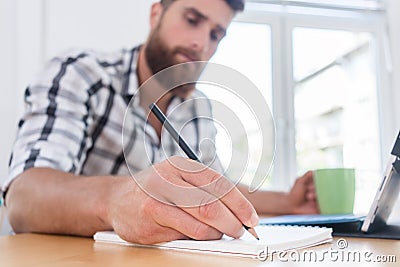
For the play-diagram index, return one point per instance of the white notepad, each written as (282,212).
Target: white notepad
(272,239)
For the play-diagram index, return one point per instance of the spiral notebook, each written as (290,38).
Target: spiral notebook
(274,238)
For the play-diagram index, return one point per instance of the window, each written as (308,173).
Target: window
(321,67)
(240,54)
(335,100)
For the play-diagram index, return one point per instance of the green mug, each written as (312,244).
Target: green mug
(335,190)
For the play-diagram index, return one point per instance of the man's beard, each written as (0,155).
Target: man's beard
(160,57)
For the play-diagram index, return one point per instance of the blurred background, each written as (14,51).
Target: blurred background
(329,70)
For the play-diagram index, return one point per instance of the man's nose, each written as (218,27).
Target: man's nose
(200,41)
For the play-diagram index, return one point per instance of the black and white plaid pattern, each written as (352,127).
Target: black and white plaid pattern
(75,113)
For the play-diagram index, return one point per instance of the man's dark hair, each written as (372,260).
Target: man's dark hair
(236,5)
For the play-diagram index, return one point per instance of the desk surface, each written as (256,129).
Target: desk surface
(51,250)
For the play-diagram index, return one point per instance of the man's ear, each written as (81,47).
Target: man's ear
(155,15)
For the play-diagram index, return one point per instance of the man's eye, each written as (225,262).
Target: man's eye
(215,36)
(192,21)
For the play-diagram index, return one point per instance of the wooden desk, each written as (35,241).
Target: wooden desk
(50,250)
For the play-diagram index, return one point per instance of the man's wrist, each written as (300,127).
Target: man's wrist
(271,202)
(105,201)
(286,206)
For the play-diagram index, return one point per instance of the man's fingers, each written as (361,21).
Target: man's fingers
(307,178)
(158,235)
(311,194)
(221,188)
(206,208)
(217,215)
(186,224)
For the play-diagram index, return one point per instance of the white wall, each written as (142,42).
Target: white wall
(8,99)
(99,24)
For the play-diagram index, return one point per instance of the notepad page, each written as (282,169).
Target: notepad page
(276,238)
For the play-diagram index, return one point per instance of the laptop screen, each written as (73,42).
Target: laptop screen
(387,193)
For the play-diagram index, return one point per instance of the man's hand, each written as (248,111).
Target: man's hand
(178,199)
(302,196)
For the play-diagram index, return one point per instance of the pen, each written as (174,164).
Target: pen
(185,147)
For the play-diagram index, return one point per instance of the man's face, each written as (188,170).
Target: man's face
(189,30)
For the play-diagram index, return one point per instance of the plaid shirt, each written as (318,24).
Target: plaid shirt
(74,119)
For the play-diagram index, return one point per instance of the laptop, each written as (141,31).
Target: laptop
(374,224)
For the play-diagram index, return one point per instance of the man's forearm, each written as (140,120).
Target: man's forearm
(267,202)
(50,201)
